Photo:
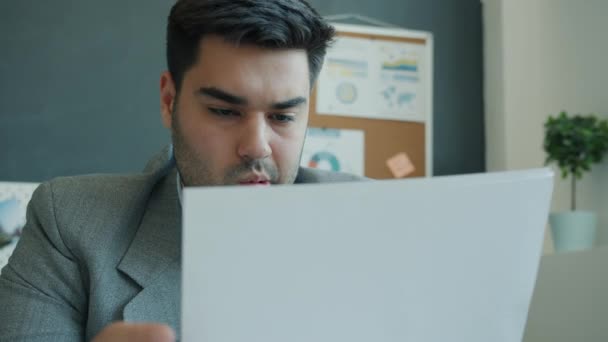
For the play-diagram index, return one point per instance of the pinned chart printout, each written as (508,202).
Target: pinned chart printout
(375,79)
(339,150)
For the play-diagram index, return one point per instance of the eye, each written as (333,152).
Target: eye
(282,118)
(222,112)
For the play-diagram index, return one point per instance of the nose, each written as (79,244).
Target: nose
(254,140)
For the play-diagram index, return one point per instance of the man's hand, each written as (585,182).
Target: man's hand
(120,331)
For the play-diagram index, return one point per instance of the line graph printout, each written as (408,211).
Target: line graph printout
(375,79)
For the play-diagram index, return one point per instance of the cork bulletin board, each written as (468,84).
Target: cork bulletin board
(390,127)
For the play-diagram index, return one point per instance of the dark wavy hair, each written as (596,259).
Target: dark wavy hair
(273,24)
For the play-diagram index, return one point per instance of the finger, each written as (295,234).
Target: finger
(150,332)
(121,331)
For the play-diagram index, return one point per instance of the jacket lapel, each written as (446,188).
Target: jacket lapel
(153,258)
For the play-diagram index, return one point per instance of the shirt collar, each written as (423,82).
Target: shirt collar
(180,186)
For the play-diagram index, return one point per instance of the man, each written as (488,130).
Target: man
(102,252)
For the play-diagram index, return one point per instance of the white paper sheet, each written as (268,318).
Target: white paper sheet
(340,150)
(430,260)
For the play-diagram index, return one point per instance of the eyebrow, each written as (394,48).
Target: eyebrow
(291,103)
(225,96)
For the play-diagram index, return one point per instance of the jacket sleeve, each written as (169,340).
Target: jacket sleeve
(42,296)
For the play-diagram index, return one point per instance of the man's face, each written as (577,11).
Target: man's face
(240,116)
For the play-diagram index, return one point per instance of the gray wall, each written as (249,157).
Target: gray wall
(79,82)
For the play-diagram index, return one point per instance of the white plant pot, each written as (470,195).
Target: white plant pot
(573,230)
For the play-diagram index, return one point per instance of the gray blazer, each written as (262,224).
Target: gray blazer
(98,249)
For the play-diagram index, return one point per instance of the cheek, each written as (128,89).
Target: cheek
(208,141)
(286,150)
(213,145)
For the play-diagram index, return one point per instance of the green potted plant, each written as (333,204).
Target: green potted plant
(575,143)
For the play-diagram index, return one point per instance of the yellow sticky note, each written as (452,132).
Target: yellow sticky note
(400,165)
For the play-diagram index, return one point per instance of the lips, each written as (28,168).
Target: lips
(263,181)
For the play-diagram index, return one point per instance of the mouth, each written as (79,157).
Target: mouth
(266,183)
(255,181)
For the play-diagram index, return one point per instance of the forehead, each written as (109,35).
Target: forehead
(248,69)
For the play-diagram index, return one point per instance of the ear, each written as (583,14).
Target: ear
(167,98)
